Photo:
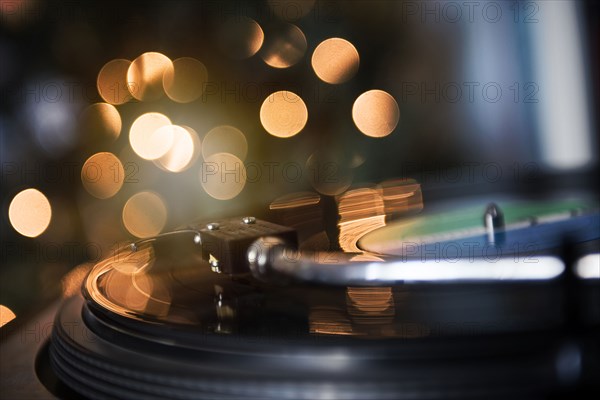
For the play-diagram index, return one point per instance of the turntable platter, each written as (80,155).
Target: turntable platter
(156,322)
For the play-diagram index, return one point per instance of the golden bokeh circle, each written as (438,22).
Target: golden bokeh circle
(145,138)
(223,176)
(240,37)
(145,76)
(335,60)
(284,46)
(103,175)
(283,114)
(225,139)
(112,82)
(184,150)
(185,79)
(376,113)
(144,214)
(6,315)
(101,121)
(30,213)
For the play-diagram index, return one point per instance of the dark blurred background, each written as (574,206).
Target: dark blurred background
(494,97)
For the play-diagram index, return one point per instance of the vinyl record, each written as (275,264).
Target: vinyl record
(173,290)
(528,228)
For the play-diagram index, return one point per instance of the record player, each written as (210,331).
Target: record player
(165,318)
(391,255)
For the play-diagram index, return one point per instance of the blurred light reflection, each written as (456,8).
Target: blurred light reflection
(558,53)
(100,121)
(102,175)
(335,60)
(329,321)
(223,176)
(130,262)
(284,46)
(52,117)
(283,114)
(144,214)
(401,197)
(112,82)
(184,79)
(30,213)
(225,139)
(240,37)
(145,76)
(145,138)
(588,266)
(71,282)
(371,301)
(184,150)
(361,211)
(294,200)
(376,113)
(6,315)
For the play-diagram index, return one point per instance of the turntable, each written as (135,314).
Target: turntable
(170,317)
(356,200)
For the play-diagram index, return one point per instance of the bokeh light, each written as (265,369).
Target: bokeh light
(283,114)
(30,212)
(100,121)
(144,214)
(376,113)
(223,176)
(225,139)
(102,175)
(335,60)
(112,82)
(53,117)
(145,76)
(6,315)
(146,138)
(184,150)
(284,46)
(184,80)
(240,37)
